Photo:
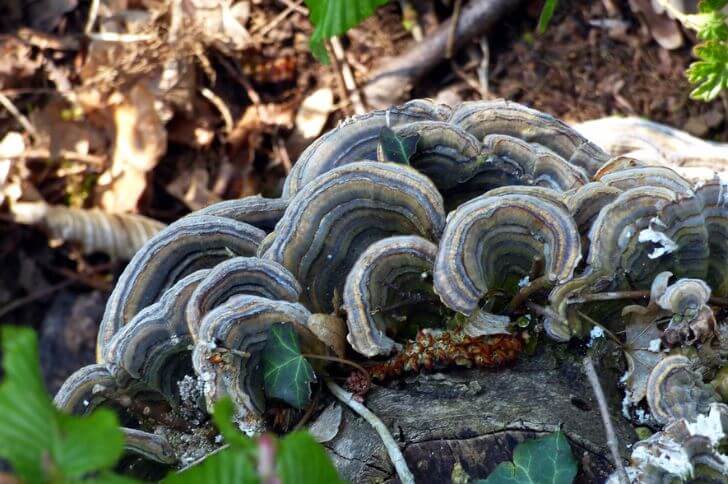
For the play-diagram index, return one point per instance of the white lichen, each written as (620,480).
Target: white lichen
(596,333)
(665,244)
(654,345)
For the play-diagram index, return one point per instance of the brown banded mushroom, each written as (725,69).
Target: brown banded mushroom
(239,275)
(492,242)
(257,211)
(188,245)
(226,355)
(153,347)
(714,195)
(675,390)
(356,139)
(336,217)
(392,274)
(482,118)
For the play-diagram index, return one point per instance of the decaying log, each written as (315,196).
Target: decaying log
(475,418)
(657,143)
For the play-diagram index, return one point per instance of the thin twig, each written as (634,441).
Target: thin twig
(347,76)
(395,454)
(34,297)
(606,330)
(93,12)
(221,107)
(542,282)
(264,29)
(452,35)
(20,117)
(616,295)
(612,441)
(343,361)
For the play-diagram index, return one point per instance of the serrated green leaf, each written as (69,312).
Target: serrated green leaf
(41,443)
(537,461)
(335,17)
(707,6)
(710,74)
(547,12)
(713,27)
(398,149)
(223,417)
(303,460)
(229,466)
(287,375)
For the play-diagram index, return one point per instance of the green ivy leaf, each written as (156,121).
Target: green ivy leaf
(287,375)
(396,148)
(546,13)
(41,443)
(229,466)
(335,17)
(303,460)
(536,461)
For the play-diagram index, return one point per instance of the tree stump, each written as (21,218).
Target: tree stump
(476,417)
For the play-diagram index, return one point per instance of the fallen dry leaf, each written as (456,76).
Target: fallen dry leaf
(140,140)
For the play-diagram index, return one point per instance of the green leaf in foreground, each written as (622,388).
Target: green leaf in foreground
(287,375)
(710,73)
(335,17)
(302,459)
(396,148)
(544,460)
(546,13)
(41,443)
(228,466)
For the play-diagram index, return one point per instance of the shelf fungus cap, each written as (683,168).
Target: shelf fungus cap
(260,212)
(239,275)
(652,176)
(227,354)
(386,270)
(675,390)
(336,217)
(482,118)
(492,241)
(714,197)
(86,389)
(190,244)
(154,346)
(614,236)
(356,139)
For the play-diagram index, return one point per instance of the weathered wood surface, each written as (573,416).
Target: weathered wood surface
(477,417)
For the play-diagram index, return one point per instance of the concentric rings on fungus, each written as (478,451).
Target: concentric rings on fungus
(482,118)
(239,275)
(384,276)
(154,346)
(336,217)
(492,242)
(257,211)
(226,355)
(190,244)
(356,139)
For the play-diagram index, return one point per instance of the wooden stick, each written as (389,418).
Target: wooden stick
(392,81)
(612,441)
(452,33)
(347,75)
(395,454)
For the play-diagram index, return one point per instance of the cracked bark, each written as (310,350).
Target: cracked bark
(477,417)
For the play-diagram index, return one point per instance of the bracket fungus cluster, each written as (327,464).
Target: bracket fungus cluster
(492,211)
